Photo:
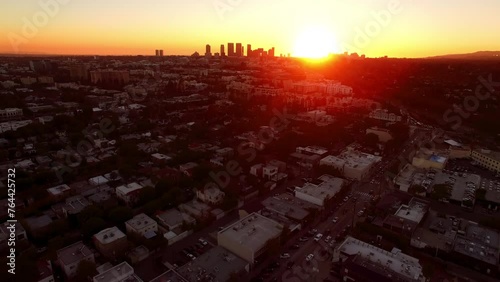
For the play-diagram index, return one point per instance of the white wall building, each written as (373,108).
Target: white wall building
(141,224)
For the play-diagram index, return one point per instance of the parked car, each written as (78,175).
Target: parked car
(201,240)
(303,239)
(318,237)
(335,219)
(309,257)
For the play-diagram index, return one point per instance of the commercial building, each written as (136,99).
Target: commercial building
(364,262)
(110,77)
(321,191)
(478,248)
(111,242)
(208,51)
(70,257)
(239,50)
(351,163)
(222,53)
(122,272)
(282,205)
(141,224)
(408,217)
(250,236)
(426,158)
(487,158)
(217,264)
(230,49)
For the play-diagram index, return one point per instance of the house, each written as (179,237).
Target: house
(129,193)
(111,242)
(70,257)
(141,224)
(173,219)
(122,272)
(188,168)
(210,195)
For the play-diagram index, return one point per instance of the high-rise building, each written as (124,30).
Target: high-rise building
(222,53)
(271,52)
(230,49)
(239,50)
(161,53)
(249,50)
(208,51)
(157,52)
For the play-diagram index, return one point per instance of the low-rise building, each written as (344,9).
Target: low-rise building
(217,264)
(59,192)
(70,257)
(383,134)
(141,224)
(129,193)
(426,158)
(250,236)
(364,262)
(381,114)
(322,191)
(122,272)
(408,217)
(173,219)
(111,242)
(74,205)
(211,195)
(351,163)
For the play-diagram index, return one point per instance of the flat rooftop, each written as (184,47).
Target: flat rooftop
(252,231)
(490,154)
(122,272)
(286,208)
(73,253)
(392,263)
(58,190)
(140,221)
(131,187)
(414,211)
(328,187)
(169,276)
(215,265)
(109,235)
(174,217)
(471,248)
(356,159)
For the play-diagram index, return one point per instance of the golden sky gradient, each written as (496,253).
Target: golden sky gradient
(397,28)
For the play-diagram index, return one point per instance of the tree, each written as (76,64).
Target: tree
(371,140)
(89,212)
(92,226)
(120,214)
(417,189)
(85,271)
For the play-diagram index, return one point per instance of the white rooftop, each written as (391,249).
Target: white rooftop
(119,273)
(131,187)
(140,221)
(395,260)
(414,211)
(58,190)
(109,235)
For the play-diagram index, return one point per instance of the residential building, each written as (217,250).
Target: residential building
(173,219)
(210,195)
(129,193)
(188,168)
(408,217)
(141,224)
(361,261)
(250,236)
(122,272)
(111,242)
(74,205)
(59,192)
(44,269)
(70,257)
(10,113)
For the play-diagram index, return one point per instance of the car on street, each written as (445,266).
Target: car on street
(303,239)
(309,257)
(361,213)
(285,255)
(295,247)
(318,237)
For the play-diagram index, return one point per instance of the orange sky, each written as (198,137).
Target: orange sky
(397,28)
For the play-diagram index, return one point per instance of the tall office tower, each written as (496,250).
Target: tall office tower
(230,49)
(161,53)
(249,50)
(208,51)
(238,50)
(157,52)
(222,53)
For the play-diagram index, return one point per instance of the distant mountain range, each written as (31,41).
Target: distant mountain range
(471,56)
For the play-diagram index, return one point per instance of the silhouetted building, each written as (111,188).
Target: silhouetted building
(270,53)
(230,49)
(222,53)
(249,50)
(208,51)
(42,66)
(239,50)
(79,72)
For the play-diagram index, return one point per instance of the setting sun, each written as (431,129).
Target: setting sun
(315,43)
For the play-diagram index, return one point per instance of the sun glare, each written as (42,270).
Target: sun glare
(315,43)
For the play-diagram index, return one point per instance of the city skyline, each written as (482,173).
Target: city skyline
(397,28)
